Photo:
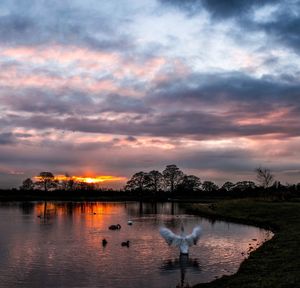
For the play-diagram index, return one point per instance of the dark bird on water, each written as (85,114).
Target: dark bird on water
(104,242)
(114,227)
(125,243)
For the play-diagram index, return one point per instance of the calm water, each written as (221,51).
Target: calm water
(63,246)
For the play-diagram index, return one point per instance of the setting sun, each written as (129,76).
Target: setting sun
(98,179)
(88,179)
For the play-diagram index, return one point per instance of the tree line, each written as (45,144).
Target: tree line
(173,182)
(46,181)
(173,179)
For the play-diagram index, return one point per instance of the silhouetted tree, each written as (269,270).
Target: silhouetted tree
(209,186)
(64,183)
(70,184)
(227,186)
(139,181)
(27,184)
(155,181)
(264,177)
(244,185)
(85,186)
(172,177)
(190,183)
(46,181)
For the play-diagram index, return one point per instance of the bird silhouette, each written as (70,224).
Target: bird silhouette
(114,227)
(125,243)
(182,241)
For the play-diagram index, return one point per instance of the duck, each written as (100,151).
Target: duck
(125,243)
(182,241)
(114,227)
(104,242)
(129,222)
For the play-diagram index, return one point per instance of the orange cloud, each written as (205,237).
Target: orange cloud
(88,179)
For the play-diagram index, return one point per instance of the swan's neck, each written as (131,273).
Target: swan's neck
(182,230)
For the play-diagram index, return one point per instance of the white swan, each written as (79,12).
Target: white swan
(182,241)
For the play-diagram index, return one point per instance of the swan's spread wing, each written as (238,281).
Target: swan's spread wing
(194,237)
(170,237)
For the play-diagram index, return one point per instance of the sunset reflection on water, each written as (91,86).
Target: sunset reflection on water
(59,244)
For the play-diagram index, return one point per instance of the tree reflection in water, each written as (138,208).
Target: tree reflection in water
(182,263)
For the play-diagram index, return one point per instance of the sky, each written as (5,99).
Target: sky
(91,87)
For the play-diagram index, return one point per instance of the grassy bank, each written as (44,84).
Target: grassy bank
(277,262)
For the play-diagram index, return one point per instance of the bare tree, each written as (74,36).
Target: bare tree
(264,177)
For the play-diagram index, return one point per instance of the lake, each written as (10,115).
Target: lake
(59,244)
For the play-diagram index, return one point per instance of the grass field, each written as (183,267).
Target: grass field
(277,262)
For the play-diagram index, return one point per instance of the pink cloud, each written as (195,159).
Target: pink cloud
(80,69)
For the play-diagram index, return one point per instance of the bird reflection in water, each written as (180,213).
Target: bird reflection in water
(182,263)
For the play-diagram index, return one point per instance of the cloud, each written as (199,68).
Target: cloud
(276,18)
(64,23)
(7,138)
(219,9)
(131,139)
(202,106)
(284,28)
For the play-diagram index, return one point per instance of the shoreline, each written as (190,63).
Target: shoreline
(274,264)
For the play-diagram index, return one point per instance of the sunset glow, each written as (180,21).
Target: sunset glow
(90,179)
